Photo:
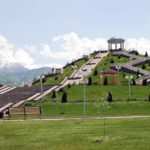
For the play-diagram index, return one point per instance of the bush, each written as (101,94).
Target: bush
(109,98)
(28,104)
(146,54)
(1,114)
(95,72)
(136,53)
(56,78)
(112,61)
(61,90)
(124,75)
(69,86)
(105,81)
(133,82)
(64,97)
(90,81)
(54,94)
(119,56)
(144,83)
(143,66)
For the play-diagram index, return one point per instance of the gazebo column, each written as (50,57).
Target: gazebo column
(116,46)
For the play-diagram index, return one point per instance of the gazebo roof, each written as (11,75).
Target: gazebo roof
(115,40)
(108,71)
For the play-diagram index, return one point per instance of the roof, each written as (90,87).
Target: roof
(115,40)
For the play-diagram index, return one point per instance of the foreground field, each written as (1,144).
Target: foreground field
(128,134)
(75,109)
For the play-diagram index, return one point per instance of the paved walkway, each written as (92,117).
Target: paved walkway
(79,118)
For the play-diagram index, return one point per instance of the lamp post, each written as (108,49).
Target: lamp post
(101,78)
(118,68)
(42,77)
(129,78)
(84,73)
(73,67)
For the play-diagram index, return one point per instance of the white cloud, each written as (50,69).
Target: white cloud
(21,56)
(46,52)
(31,49)
(74,46)
(141,44)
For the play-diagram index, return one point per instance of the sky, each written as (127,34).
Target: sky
(38,33)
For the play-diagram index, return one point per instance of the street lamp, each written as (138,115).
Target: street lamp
(129,78)
(118,68)
(101,78)
(41,77)
(84,73)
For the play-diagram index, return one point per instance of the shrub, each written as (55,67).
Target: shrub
(136,53)
(124,74)
(56,78)
(112,61)
(90,81)
(133,82)
(64,97)
(105,81)
(54,94)
(69,86)
(143,66)
(144,83)
(61,90)
(119,56)
(146,54)
(109,98)
(95,72)
(28,104)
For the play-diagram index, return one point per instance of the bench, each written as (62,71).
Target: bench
(26,110)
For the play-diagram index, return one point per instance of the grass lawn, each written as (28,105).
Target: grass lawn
(100,92)
(121,134)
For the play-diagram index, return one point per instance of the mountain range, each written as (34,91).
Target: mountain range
(14,74)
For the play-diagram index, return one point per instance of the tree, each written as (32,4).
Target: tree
(64,97)
(105,81)
(112,61)
(109,98)
(146,54)
(144,83)
(54,94)
(133,82)
(136,53)
(119,56)
(90,81)
(95,72)
(69,86)
(143,66)
(124,74)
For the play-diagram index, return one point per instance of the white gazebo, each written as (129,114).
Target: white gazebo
(118,42)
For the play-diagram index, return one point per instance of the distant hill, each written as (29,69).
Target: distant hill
(14,74)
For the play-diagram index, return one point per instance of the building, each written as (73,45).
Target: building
(57,70)
(115,44)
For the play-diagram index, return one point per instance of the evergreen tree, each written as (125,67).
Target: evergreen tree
(144,83)
(112,61)
(109,98)
(105,81)
(90,81)
(143,66)
(54,94)
(133,82)
(64,97)
(69,86)
(95,72)
(146,54)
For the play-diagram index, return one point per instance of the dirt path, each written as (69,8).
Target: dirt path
(78,118)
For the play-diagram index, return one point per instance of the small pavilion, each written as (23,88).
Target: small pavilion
(118,42)
(109,72)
